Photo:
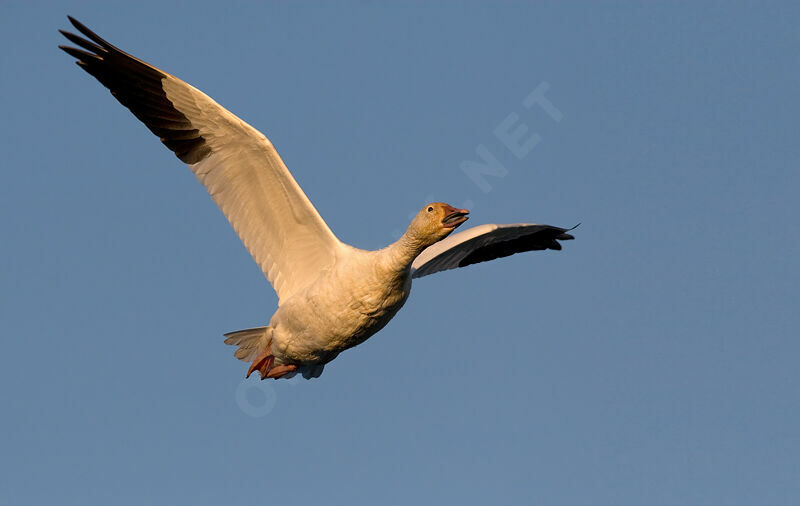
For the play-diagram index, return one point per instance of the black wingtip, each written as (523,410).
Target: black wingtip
(85,44)
(77,53)
(564,236)
(90,34)
(77,24)
(80,26)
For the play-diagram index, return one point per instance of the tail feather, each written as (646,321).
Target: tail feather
(251,342)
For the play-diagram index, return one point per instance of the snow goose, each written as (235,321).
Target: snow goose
(332,296)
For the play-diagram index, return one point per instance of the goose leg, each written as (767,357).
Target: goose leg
(263,363)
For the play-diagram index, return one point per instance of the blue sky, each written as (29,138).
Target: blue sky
(653,361)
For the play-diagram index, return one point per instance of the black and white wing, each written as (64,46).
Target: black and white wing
(237,164)
(487,242)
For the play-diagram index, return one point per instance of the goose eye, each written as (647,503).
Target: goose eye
(430,209)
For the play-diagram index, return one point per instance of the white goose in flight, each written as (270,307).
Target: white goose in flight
(332,296)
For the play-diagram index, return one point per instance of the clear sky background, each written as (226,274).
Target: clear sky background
(654,361)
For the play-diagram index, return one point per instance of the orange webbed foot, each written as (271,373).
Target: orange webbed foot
(263,363)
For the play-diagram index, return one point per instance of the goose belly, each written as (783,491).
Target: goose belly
(318,327)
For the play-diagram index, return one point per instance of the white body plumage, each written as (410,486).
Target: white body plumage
(342,308)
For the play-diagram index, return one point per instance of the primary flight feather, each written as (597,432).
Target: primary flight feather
(332,296)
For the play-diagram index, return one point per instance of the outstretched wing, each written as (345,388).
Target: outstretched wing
(237,164)
(487,242)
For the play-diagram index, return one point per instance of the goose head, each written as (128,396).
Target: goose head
(436,221)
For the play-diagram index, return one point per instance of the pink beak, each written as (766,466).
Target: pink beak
(454,217)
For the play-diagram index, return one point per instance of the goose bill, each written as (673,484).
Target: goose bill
(455,218)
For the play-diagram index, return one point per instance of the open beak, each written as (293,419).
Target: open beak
(454,217)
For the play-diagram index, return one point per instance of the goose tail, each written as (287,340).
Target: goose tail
(250,342)
(254,346)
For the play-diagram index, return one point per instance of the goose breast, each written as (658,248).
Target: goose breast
(341,309)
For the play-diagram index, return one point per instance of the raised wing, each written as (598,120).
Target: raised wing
(487,242)
(237,164)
